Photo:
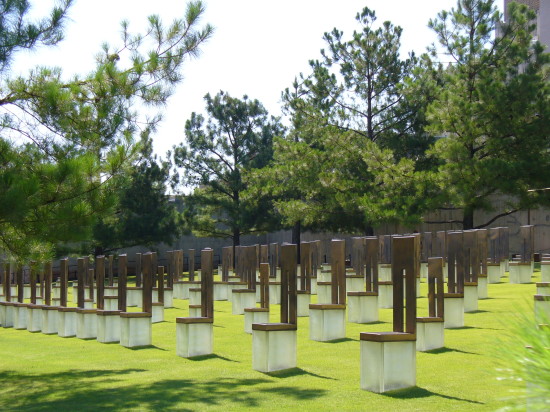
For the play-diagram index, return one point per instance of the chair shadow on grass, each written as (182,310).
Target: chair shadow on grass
(447,350)
(376,322)
(137,348)
(287,373)
(211,356)
(417,392)
(114,391)
(341,340)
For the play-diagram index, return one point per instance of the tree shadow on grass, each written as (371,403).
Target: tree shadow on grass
(416,392)
(111,390)
(287,373)
(447,350)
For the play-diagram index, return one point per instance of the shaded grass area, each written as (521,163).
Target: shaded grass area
(42,373)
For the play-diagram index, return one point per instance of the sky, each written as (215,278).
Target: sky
(258,47)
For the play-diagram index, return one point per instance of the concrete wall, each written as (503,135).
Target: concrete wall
(540,218)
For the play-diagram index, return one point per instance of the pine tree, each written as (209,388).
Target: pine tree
(236,138)
(493,112)
(66,144)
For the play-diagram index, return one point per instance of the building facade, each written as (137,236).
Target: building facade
(542,8)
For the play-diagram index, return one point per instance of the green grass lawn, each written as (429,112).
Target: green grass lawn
(39,372)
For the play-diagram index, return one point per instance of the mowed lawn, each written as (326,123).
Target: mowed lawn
(39,372)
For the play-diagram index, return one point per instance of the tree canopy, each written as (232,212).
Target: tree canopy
(66,144)
(492,112)
(237,137)
(348,163)
(145,215)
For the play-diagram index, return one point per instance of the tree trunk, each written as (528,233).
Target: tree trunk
(98,251)
(296,234)
(369,230)
(236,242)
(468,218)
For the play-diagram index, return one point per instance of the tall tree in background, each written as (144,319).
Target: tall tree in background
(356,135)
(145,214)
(66,144)
(237,137)
(493,113)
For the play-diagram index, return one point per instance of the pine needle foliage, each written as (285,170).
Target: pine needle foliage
(66,144)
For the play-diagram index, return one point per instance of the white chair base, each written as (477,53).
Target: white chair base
(86,324)
(384,272)
(20,316)
(482,289)
(273,349)
(6,316)
(274,294)
(158,313)
(135,329)
(110,291)
(324,275)
(545,271)
(385,296)
(430,334)
(220,291)
(194,337)
(520,272)
(110,303)
(178,290)
(327,322)
(387,366)
(454,311)
(324,294)
(134,297)
(254,315)
(313,286)
(195,296)
(34,318)
(168,298)
(493,273)
(424,270)
(504,266)
(242,300)
(543,288)
(195,311)
(542,309)
(355,283)
(405,289)
(49,320)
(302,306)
(108,326)
(470,298)
(66,323)
(362,308)
(231,286)
(185,289)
